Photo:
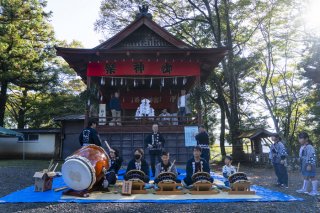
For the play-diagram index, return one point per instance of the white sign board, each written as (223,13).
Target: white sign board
(189,133)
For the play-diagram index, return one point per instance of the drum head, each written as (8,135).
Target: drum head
(200,176)
(78,174)
(239,176)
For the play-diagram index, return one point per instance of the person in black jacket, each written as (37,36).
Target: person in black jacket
(111,175)
(138,163)
(194,165)
(203,141)
(89,135)
(154,142)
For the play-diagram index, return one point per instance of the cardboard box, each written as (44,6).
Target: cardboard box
(43,181)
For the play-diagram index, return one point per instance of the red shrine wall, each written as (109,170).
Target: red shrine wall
(143,68)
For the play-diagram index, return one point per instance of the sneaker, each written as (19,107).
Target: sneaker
(148,186)
(313,193)
(301,191)
(105,184)
(179,187)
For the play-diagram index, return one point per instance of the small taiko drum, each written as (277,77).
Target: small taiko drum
(135,175)
(167,177)
(201,177)
(237,177)
(85,167)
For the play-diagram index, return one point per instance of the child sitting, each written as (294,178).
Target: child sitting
(228,170)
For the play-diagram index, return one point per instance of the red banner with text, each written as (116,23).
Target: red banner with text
(143,68)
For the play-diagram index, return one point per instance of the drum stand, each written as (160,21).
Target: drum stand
(168,188)
(138,187)
(203,188)
(241,188)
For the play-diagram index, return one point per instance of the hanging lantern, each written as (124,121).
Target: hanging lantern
(134,83)
(151,82)
(121,82)
(112,82)
(162,82)
(103,81)
(184,80)
(115,82)
(175,80)
(143,81)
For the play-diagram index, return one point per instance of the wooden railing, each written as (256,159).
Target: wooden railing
(134,120)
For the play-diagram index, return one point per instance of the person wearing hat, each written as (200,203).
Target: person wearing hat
(278,156)
(228,170)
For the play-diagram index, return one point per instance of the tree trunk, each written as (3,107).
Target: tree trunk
(3,98)
(222,131)
(22,110)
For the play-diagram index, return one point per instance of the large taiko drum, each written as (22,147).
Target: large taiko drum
(85,167)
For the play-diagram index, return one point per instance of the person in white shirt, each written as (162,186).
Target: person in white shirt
(228,170)
(182,104)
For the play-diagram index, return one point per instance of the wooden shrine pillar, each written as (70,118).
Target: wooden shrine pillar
(88,103)
(198,105)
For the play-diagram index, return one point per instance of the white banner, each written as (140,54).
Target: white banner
(102,114)
(189,133)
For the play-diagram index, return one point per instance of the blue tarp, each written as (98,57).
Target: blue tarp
(9,133)
(28,195)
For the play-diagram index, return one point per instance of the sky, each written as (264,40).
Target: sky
(74,20)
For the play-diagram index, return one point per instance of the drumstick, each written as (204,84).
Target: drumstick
(171,165)
(106,142)
(55,167)
(50,164)
(60,189)
(238,167)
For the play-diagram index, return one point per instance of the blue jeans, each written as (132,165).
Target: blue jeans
(182,114)
(281,173)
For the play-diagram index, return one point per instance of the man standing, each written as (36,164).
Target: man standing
(89,135)
(278,156)
(154,142)
(115,108)
(183,106)
(203,141)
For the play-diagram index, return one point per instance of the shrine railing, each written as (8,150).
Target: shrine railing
(135,120)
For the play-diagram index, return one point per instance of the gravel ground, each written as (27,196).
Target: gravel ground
(16,175)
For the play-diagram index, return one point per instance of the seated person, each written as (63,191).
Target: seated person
(228,170)
(164,117)
(111,175)
(138,163)
(165,166)
(194,165)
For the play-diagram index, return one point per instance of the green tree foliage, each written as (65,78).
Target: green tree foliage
(26,42)
(35,109)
